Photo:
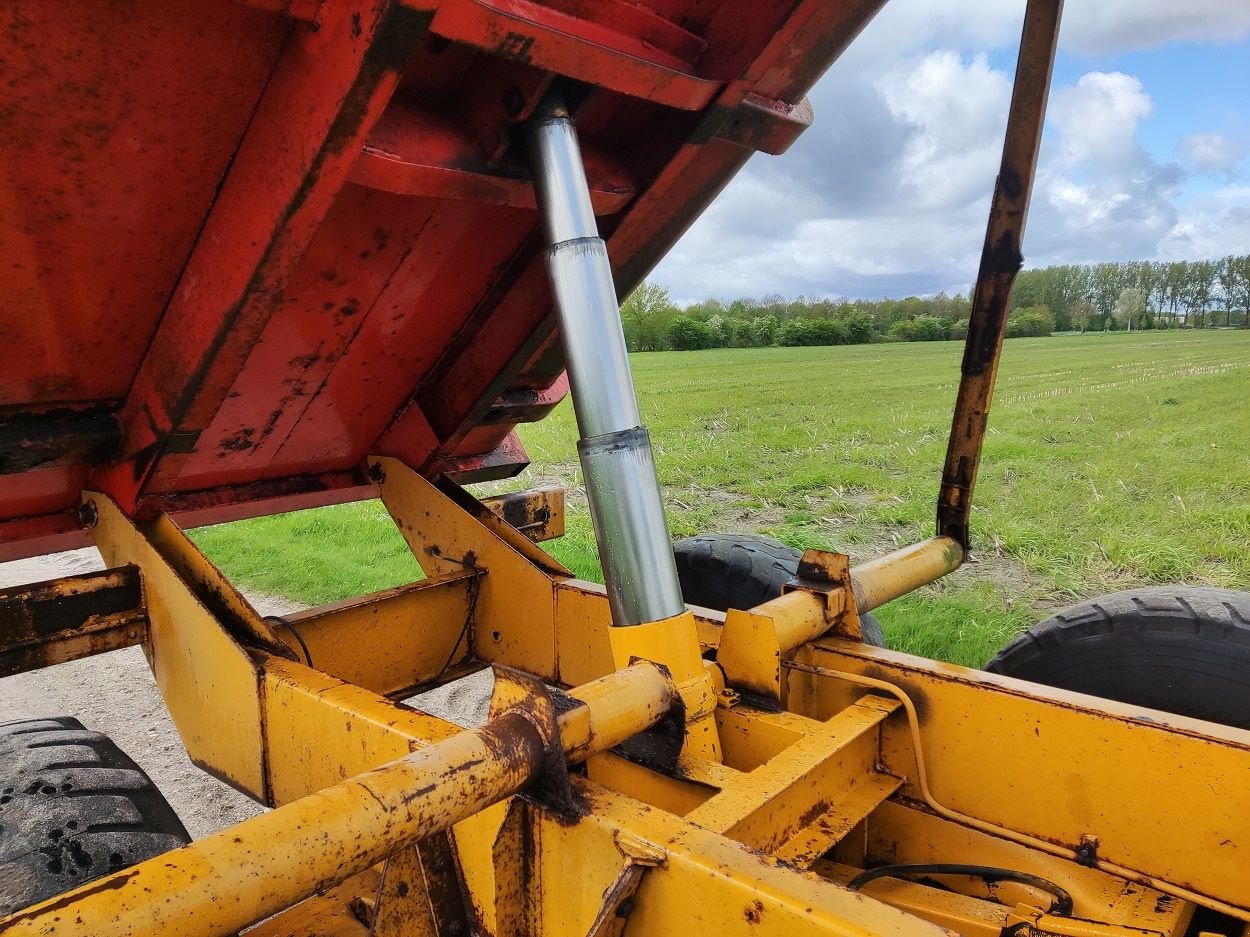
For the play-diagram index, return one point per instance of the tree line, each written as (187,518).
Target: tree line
(1070,298)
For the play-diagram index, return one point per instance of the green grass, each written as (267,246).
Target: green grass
(316,556)
(1112,460)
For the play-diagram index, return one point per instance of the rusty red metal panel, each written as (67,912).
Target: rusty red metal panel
(272,236)
(608,43)
(333,80)
(111,154)
(421,152)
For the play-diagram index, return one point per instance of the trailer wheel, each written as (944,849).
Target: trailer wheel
(724,571)
(73,807)
(1179,649)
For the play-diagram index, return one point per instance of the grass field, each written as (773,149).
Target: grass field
(1112,461)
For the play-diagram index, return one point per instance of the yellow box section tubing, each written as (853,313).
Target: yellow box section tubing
(261,866)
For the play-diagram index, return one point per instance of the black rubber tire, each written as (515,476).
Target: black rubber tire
(724,571)
(73,807)
(1178,649)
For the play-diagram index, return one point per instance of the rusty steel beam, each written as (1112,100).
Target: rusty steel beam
(1000,261)
(64,619)
(268,496)
(538,513)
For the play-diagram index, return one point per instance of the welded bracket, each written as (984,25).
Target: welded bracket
(530,697)
(819,601)
(828,576)
(422,893)
(618,902)
(537,513)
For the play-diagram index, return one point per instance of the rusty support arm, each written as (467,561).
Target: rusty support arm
(539,514)
(1000,261)
(256,868)
(65,619)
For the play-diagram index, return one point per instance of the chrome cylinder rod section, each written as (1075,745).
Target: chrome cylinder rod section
(621,484)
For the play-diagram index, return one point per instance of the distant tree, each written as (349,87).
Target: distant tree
(775,304)
(795,332)
(828,331)
(919,329)
(1082,314)
(1129,309)
(645,317)
(1111,296)
(742,308)
(1030,323)
(1234,278)
(758,332)
(1199,286)
(721,330)
(1144,276)
(1057,288)
(687,333)
(858,327)
(1242,286)
(1175,276)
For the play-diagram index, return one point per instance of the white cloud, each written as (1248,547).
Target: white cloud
(1099,194)
(1097,120)
(1210,225)
(1116,26)
(905,26)
(958,111)
(1109,217)
(1211,152)
(887,193)
(896,194)
(1090,27)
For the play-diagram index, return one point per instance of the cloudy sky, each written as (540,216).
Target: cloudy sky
(1146,154)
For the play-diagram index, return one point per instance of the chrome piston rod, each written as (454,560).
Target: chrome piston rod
(615,451)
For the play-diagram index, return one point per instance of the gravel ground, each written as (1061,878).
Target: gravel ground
(114,693)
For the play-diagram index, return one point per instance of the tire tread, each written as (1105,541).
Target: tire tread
(74,807)
(1172,636)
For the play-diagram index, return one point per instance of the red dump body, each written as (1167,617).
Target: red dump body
(244,244)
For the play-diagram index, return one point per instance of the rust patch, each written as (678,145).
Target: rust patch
(241,441)
(70,618)
(44,438)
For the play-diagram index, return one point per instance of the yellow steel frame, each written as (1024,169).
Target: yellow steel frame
(786,759)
